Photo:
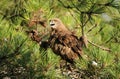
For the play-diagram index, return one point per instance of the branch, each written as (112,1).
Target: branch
(99,30)
(109,39)
(92,28)
(112,37)
(101,47)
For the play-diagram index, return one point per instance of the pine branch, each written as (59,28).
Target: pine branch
(92,28)
(101,47)
(15,52)
(99,30)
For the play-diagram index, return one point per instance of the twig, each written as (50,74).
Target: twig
(109,39)
(99,30)
(113,36)
(101,47)
(92,28)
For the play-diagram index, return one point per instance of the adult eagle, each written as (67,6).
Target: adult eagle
(63,42)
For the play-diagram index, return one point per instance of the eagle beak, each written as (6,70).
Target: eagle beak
(52,23)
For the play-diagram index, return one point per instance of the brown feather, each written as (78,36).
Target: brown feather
(33,34)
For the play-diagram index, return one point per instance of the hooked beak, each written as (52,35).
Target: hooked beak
(52,23)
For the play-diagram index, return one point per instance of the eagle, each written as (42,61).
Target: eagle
(63,42)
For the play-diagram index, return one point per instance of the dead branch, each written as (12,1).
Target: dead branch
(101,47)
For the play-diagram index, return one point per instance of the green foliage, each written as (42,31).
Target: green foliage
(20,57)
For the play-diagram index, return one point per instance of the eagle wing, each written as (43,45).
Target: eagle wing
(71,42)
(66,45)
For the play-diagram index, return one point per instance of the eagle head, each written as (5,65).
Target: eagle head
(55,23)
